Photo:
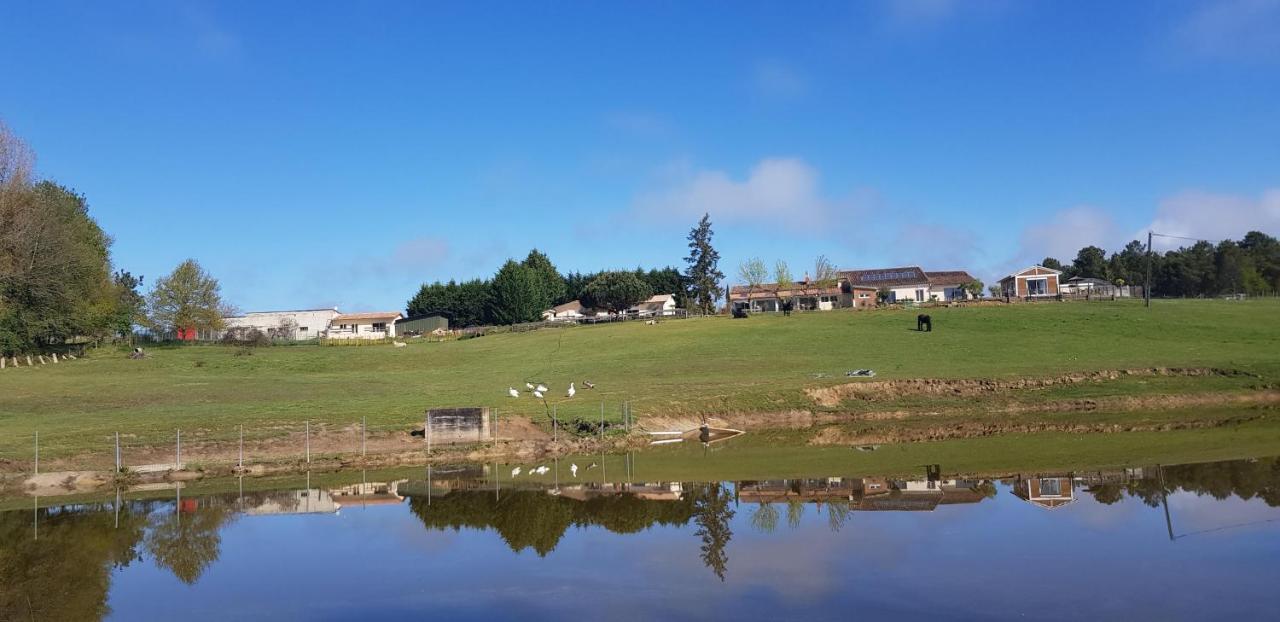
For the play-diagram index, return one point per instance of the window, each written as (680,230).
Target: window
(379,327)
(920,295)
(1050,488)
(302,329)
(1037,287)
(864,295)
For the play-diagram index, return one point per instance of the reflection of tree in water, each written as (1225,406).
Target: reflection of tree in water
(837,515)
(65,574)
(1245,479)
(795,512)
(712,514)
(765,518)
(1107,493)
(537,520)
(188,543)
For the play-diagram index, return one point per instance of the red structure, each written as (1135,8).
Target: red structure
(186,334)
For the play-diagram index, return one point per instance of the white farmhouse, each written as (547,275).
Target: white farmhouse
(566,312)
(660,304)
(299,324)
(372,325)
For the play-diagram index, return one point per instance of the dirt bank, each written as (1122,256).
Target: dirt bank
(877,390)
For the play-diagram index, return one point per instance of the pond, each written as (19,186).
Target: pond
(1194,541)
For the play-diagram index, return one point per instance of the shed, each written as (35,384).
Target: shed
(421,325)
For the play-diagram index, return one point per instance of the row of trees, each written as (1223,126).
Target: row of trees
(1250,265)
(755,275)
(521,291)
(57,284)
(56,281)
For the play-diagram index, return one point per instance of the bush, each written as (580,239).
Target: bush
(246,337)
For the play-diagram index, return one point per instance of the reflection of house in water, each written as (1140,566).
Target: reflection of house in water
(1049,492)
(651,491)
(313,501)
(870,494)
(368,493)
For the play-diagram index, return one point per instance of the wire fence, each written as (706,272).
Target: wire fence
(103,448)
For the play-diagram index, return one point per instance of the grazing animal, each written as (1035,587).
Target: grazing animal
(515,471)
(924,323)
(573,468)
(542,387)
(588,384)
(537,394)
(513,392)
(592,466)
(399,344)
(541,470)
(529,385)
(572,390)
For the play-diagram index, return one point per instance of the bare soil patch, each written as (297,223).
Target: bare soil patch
(877,390)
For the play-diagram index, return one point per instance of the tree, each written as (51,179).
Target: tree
(974,288)
(1051,263)
(517,296)
(1130,264)
(996,291)
(703,273)
(464,304)
(784,281)
(130,306)
(617,291)
(1264,251)
(55,271)
(752,272)
(825,275)
(188,298)
(551,286)
(1090,262)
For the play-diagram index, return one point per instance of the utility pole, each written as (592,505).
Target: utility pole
(1146,290)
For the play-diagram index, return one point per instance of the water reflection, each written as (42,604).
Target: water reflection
(59,562)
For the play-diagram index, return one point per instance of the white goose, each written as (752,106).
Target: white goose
(572,390)
(515,471)
(513,392)
(537,394)
(573,468)
(542,387)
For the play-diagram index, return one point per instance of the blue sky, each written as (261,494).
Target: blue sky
(339,154)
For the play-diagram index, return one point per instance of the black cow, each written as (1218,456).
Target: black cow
(924,323)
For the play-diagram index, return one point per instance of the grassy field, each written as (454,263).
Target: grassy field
(708,365)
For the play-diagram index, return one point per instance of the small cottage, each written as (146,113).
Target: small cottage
(371,325)
(1033,282)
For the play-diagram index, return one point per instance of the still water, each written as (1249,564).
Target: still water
(1195,541)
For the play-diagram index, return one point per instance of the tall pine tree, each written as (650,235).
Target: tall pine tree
(703,273)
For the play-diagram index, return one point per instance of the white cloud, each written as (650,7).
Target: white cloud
(1213,217)
(1233,30)
(782,192)
(776,79)
(1062,235)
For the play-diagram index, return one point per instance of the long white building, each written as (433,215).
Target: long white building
(299,324)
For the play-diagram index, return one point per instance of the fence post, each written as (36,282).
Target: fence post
(555,427)
(37,452)
(364,429)
(117,452)
(602,420)
(426,431)
(308,441)
(177,465)
(240,464)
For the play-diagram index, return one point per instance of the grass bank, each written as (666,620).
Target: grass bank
(688,368)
